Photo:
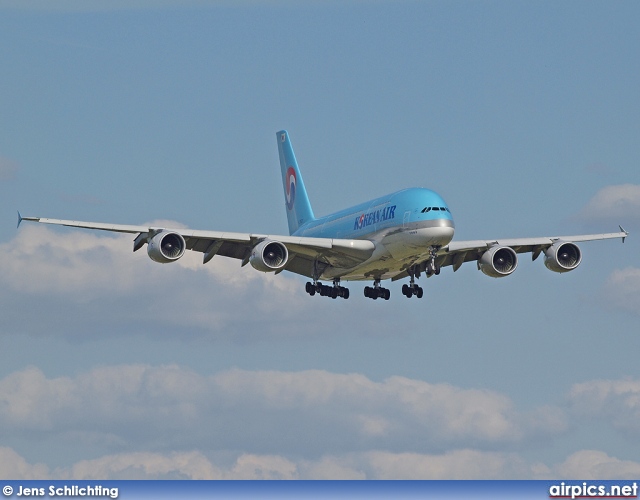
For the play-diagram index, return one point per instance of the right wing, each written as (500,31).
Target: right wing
(307,256)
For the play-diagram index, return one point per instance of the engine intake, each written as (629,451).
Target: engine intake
(268,256)
(562,257)
(166,247)
(498,262)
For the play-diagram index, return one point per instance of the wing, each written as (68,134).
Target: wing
(457,253)
(307,256)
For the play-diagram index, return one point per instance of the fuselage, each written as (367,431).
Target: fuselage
(404,226)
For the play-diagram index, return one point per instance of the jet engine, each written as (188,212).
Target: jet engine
(269,255)
(166,247)
(498,262)
(562,257)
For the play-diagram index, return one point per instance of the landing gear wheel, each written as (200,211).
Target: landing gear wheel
(377,293)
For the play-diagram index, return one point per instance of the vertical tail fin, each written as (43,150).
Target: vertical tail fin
(299,209)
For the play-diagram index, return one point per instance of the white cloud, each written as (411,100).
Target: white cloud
(144,465)
(619,204)
(84,277)
(13,466)
(615,401)
(77,262)
(592,464)
(622,289)
(455,464)
(308,412)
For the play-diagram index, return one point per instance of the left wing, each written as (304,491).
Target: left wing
(497,258)
(457,253)
(306,256)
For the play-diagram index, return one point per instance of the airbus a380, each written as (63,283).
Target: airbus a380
(398,236)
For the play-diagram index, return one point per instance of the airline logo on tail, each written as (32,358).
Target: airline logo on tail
(290,187)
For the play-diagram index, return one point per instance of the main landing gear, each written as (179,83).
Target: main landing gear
(377,292)
(412,289)
(334,291)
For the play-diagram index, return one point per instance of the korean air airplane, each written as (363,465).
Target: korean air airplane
(402,235)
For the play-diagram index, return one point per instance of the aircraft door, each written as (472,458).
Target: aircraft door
(405,219)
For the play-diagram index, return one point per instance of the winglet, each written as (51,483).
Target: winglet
(626,233)
(21,218)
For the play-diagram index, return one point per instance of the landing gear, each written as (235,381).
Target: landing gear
(334,291)
(412,289)
(377,292)
(432,267)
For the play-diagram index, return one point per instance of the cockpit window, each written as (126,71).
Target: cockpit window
(428,209)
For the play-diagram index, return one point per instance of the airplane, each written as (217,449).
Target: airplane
(397,236)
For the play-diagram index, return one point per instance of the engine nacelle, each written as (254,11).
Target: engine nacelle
(166,247)
(498,262)
(269,255)
(562,257)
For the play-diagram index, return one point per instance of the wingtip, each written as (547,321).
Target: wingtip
(626,233)
(19,219)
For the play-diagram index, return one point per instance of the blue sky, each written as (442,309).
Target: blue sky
(522,115)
